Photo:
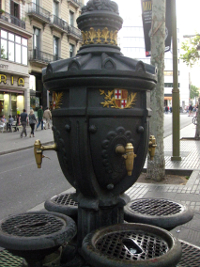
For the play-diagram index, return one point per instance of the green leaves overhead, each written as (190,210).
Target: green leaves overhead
(191,55)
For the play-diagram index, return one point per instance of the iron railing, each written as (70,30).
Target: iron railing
(12,19)
(59,22)
(39,11)
(77,2)
(37,55)
(75,31)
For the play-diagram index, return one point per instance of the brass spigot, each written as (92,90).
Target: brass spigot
(128,154)
(38,151)
(152,146)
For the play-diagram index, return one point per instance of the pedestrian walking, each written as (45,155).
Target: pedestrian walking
(9,124)
(40,118)
(32,122)
(47,116)
(24,117)
(190,110)
(17,123)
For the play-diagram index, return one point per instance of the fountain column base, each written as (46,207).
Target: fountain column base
(94,214)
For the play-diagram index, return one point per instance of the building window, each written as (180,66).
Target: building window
(71,18)
(71,50)
(55,47)
(15,11)
(36,38)
(171,85)
(55,8)
(36,43)
(13,47)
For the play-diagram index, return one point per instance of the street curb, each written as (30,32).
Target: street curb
(40,206)
(183,172)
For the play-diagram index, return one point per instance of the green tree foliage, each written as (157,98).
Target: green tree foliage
(191,55)
(194,91)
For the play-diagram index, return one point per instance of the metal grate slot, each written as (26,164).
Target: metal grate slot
(147,245)
(65,200)
(156,207)
(27,225)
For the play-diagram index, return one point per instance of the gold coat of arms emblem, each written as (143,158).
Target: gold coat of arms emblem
(118,98)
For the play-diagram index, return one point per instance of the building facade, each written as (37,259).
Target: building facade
(14,76)
(55,36)
(33,33)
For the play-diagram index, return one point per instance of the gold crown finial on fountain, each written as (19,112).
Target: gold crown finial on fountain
(100,23)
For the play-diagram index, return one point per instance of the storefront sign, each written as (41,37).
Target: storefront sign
(3,79)
(20,82)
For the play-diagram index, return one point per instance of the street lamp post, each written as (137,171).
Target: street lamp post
(175,91)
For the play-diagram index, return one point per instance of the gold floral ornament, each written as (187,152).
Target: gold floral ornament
(92,35)
(99,37)
(58,99)
(105,35)
(85,37)
(118,98)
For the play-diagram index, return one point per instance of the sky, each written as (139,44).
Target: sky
(187,12)
(187,20)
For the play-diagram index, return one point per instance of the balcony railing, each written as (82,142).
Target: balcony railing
(38,11)
(59,22)
(75,31)
(76,2)
(37,55)
(11,19)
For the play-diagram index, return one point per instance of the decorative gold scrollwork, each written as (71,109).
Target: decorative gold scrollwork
(57,99)
(118,98)
(99,37)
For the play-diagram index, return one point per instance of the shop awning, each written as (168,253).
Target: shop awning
(168,98)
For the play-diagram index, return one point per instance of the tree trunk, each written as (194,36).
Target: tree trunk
(197,133)
(156,167)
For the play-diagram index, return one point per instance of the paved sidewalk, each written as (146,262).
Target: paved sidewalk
(11,141)
(188,194)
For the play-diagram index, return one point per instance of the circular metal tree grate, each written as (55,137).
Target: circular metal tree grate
(65,199)
(8,260)
(156,207)
(36,231)
(190,255)
(161,212)
(132,246)
(64,203)
(126,245)
(29,225)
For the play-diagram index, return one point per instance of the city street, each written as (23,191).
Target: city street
(23,185)
(184,121)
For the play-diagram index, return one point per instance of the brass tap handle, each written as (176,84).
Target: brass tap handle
(152,146)
(128,154)
(38,151)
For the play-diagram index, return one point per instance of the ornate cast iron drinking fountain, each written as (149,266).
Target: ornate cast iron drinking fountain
(101,133)
(101,128)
